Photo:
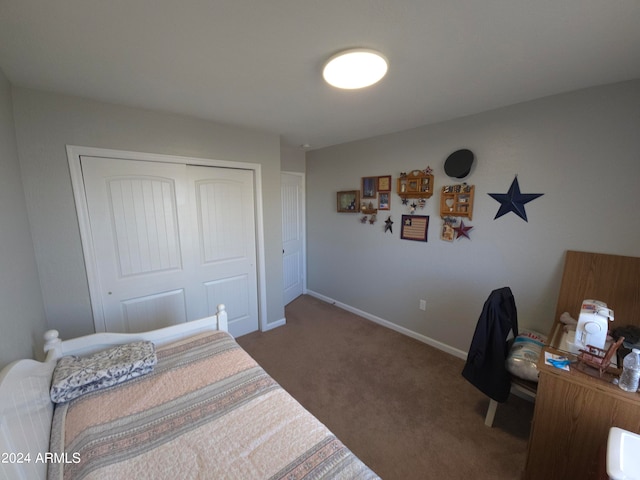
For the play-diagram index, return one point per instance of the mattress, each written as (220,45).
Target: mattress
(207,410)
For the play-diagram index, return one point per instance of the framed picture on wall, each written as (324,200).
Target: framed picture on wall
(414,227)
(369,187)
(384,183)
(348,201)
(448,233)
(383,201)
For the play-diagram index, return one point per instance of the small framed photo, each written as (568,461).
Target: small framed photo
(369,187)
(384,183)
(348,201)
(414,227)
(383,201)
(448,233)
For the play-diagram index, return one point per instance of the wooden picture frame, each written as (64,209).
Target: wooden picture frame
(447,233)
(384,183)
(369,187)
(414,227)
(383,201)
(348,201)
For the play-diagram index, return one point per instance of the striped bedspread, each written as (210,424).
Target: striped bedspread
(208,411)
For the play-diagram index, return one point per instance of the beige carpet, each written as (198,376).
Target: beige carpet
(398,404)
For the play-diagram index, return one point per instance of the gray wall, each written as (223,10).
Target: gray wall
(292,159)
(22,320)
(46,123)
(580,149)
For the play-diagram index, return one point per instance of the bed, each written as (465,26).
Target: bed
(204,409)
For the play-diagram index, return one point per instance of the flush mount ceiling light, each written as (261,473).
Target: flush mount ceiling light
(355,68)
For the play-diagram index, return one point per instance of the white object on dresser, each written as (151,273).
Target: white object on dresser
(623,462)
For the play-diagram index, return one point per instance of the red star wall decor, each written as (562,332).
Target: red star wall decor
(462,230)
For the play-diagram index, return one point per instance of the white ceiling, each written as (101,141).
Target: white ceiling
(257,63)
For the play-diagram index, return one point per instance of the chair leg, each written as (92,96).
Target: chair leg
(491,413)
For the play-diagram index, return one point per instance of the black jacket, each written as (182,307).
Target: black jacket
(485,367)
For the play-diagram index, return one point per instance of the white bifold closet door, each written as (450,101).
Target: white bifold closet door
(172,241)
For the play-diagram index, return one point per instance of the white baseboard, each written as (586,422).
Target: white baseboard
(276,324)
(386,323)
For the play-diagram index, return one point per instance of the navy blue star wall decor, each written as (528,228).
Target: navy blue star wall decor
(388,225)
(513,200)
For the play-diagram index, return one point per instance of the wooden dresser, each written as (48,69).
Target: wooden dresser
(574,411)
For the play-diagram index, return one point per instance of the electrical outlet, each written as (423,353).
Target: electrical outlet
(423,304)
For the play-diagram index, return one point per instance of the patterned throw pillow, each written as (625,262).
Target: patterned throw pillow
(75,376)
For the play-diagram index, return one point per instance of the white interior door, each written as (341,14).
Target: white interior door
(161,245)
(292,194)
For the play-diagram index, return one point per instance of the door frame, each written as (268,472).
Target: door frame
(74,152)
(303,221)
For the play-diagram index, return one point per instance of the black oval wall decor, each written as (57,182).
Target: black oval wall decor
(458,164)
